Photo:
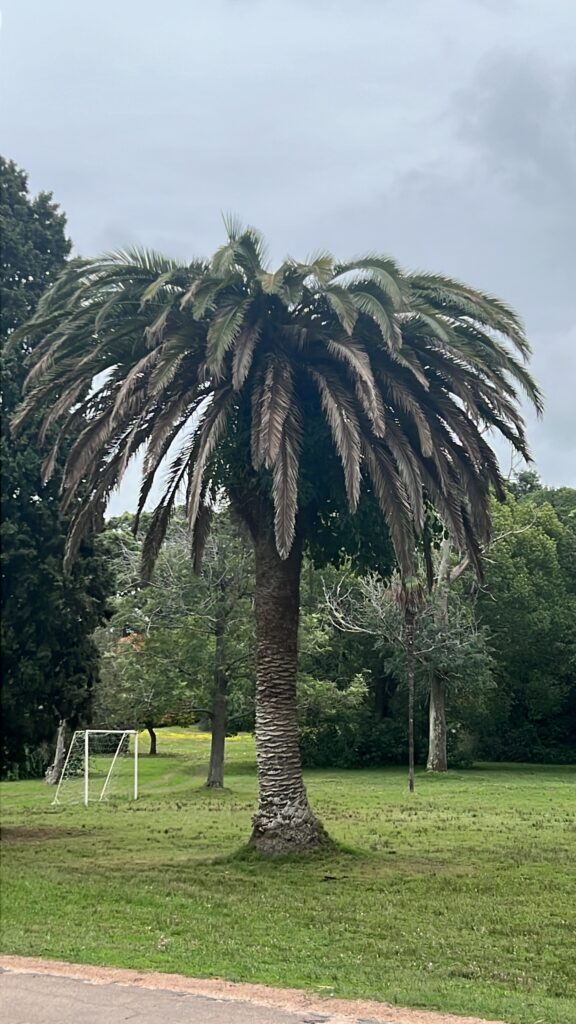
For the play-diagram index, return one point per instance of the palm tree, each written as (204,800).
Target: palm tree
(285,390)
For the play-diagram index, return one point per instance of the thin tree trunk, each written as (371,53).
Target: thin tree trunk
(437,736)
(410,673)
(153,744)
(437,746)
(284,821)
(54,772)
(215,778)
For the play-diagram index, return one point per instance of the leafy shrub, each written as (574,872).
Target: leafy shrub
(338,728)
(331,722)
(384,742)
(33,764)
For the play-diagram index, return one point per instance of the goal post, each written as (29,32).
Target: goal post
(100,764)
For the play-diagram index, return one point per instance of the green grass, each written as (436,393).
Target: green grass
(461,897)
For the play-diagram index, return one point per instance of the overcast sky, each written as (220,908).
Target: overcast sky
(440,131)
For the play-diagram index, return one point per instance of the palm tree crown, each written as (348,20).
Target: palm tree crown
(408,371)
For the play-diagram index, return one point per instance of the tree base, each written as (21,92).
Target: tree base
(287,828)
(435,767)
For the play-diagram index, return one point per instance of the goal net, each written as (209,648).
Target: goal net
(101,764)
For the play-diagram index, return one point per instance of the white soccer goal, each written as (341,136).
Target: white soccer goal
(101,764)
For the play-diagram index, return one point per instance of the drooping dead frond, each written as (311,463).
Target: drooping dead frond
(163,512)
(60,407)
(360,367)
(340,413)
(201,531)
(394,503)
(275,404)
(209,433)
(244,353)
(285,482)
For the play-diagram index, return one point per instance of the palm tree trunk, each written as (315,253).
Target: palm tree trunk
(409,617)
(284,821)
(215,778)
(437,754)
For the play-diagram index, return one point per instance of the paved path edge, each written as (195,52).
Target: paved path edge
(291,1000)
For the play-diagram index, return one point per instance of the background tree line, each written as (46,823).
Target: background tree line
(508,658)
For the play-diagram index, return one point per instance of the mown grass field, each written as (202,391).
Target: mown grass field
(461,897)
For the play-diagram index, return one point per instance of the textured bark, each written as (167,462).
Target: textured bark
(410,673)
(284,821)
(54,772)
(215,778)
(153,743)
(437,755)
(437,737)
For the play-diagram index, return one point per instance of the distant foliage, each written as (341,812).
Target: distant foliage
(508,658)
(158,647)
(529,609)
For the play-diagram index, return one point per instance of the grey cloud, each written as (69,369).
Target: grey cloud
(521,117)
(438,132)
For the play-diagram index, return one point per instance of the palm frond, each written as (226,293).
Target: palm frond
(226,324)
(319,267)
(201,531)
(360,370)
(410,371)
(375,304)
(285,482)
(209,433)
(243,354)
(164,510)
(343,422)
(382,270)
(343,305)
(275,404)
(395,505)
(456,299)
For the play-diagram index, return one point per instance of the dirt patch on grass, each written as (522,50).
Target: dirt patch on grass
(334,1011)
(25,834)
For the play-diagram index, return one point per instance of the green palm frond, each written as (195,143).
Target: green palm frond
(343,306)
(381,270)
(319,267)
(375,304)
(224,328)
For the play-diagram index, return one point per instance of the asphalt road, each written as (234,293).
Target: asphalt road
(36,991)
(45,999)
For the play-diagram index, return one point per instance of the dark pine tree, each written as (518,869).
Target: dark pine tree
(49,661)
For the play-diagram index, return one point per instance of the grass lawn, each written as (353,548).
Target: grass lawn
(461,897)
